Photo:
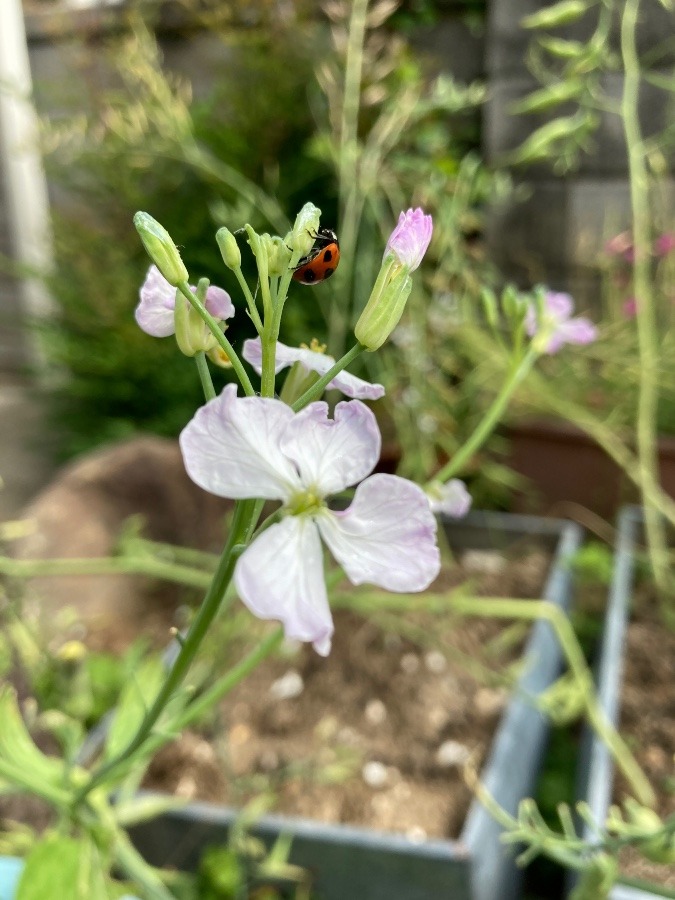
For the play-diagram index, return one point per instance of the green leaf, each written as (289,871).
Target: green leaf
(66,868)
(554,16)
(547,97)
(562,48)
(21,762)
(137,696)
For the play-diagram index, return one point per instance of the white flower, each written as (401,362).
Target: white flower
(155,312)
(451,499)
(242,447)
(350,385)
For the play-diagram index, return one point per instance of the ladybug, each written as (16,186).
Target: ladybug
(321,261)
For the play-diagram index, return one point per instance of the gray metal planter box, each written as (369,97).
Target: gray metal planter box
(356,864)
(596,771)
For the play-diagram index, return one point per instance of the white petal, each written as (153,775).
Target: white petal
(350,385)
(451,498)
(231,447)
(218,302)
(386,537)
(154,313)
(333,454)
(280,576)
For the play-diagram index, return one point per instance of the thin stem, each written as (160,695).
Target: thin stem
(125,565)
(223,342)
(319,386)
(490,420)
(239,534)
(205,375)
(648,344)
(250,301)
(229,681)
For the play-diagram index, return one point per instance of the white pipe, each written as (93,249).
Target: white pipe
(25,185)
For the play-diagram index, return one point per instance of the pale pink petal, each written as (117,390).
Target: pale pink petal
(451,499)
(411,237)
(579,331)
(350,385)
(280,576)
(154,313)
(218,302)
(332,454)
(558,305)
(231,447)
(387,536)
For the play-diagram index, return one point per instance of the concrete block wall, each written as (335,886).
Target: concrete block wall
(557,230)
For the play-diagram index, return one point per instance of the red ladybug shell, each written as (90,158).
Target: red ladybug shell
(321,261)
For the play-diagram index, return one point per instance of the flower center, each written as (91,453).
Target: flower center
(307,502)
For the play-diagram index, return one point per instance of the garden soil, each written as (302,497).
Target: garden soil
(379,733)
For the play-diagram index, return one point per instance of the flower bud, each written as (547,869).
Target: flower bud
(660,846)
(229,248)
(278,256)
(305,229)
(385,305)
(161,248)
(192,333)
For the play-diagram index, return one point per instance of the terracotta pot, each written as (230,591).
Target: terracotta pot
(564,465)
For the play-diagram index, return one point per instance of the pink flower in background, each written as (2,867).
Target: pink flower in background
(350,385)
(621,245)
(242,447)
(155,312)
(450,499)
(629,308)
(664,244)
(557,327)
(411,237)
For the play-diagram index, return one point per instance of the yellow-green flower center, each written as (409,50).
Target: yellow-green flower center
(305,502)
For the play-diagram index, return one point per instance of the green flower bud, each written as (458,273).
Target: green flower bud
(278,256)
(160,248)
(229,248)
(305,229)
(659,848)
(385,306)
(192,333)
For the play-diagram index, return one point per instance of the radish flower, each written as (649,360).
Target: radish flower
(452,498)
(155,313)
(556,326)
(313,361)
(410,239)
(244,447)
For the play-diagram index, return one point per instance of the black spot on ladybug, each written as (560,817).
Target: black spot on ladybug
(327,257)
(309,275)
(327,273)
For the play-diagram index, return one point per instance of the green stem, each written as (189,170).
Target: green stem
(648,344)
(137,869)
(229,681)
(205,375)
(141,565)
(250,301)
(490,420)
(319,386)
(217,332)
(239,535)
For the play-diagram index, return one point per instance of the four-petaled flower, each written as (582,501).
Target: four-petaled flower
(243,447)
(411,237)
(350,385)
(155,312)
(556,326)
